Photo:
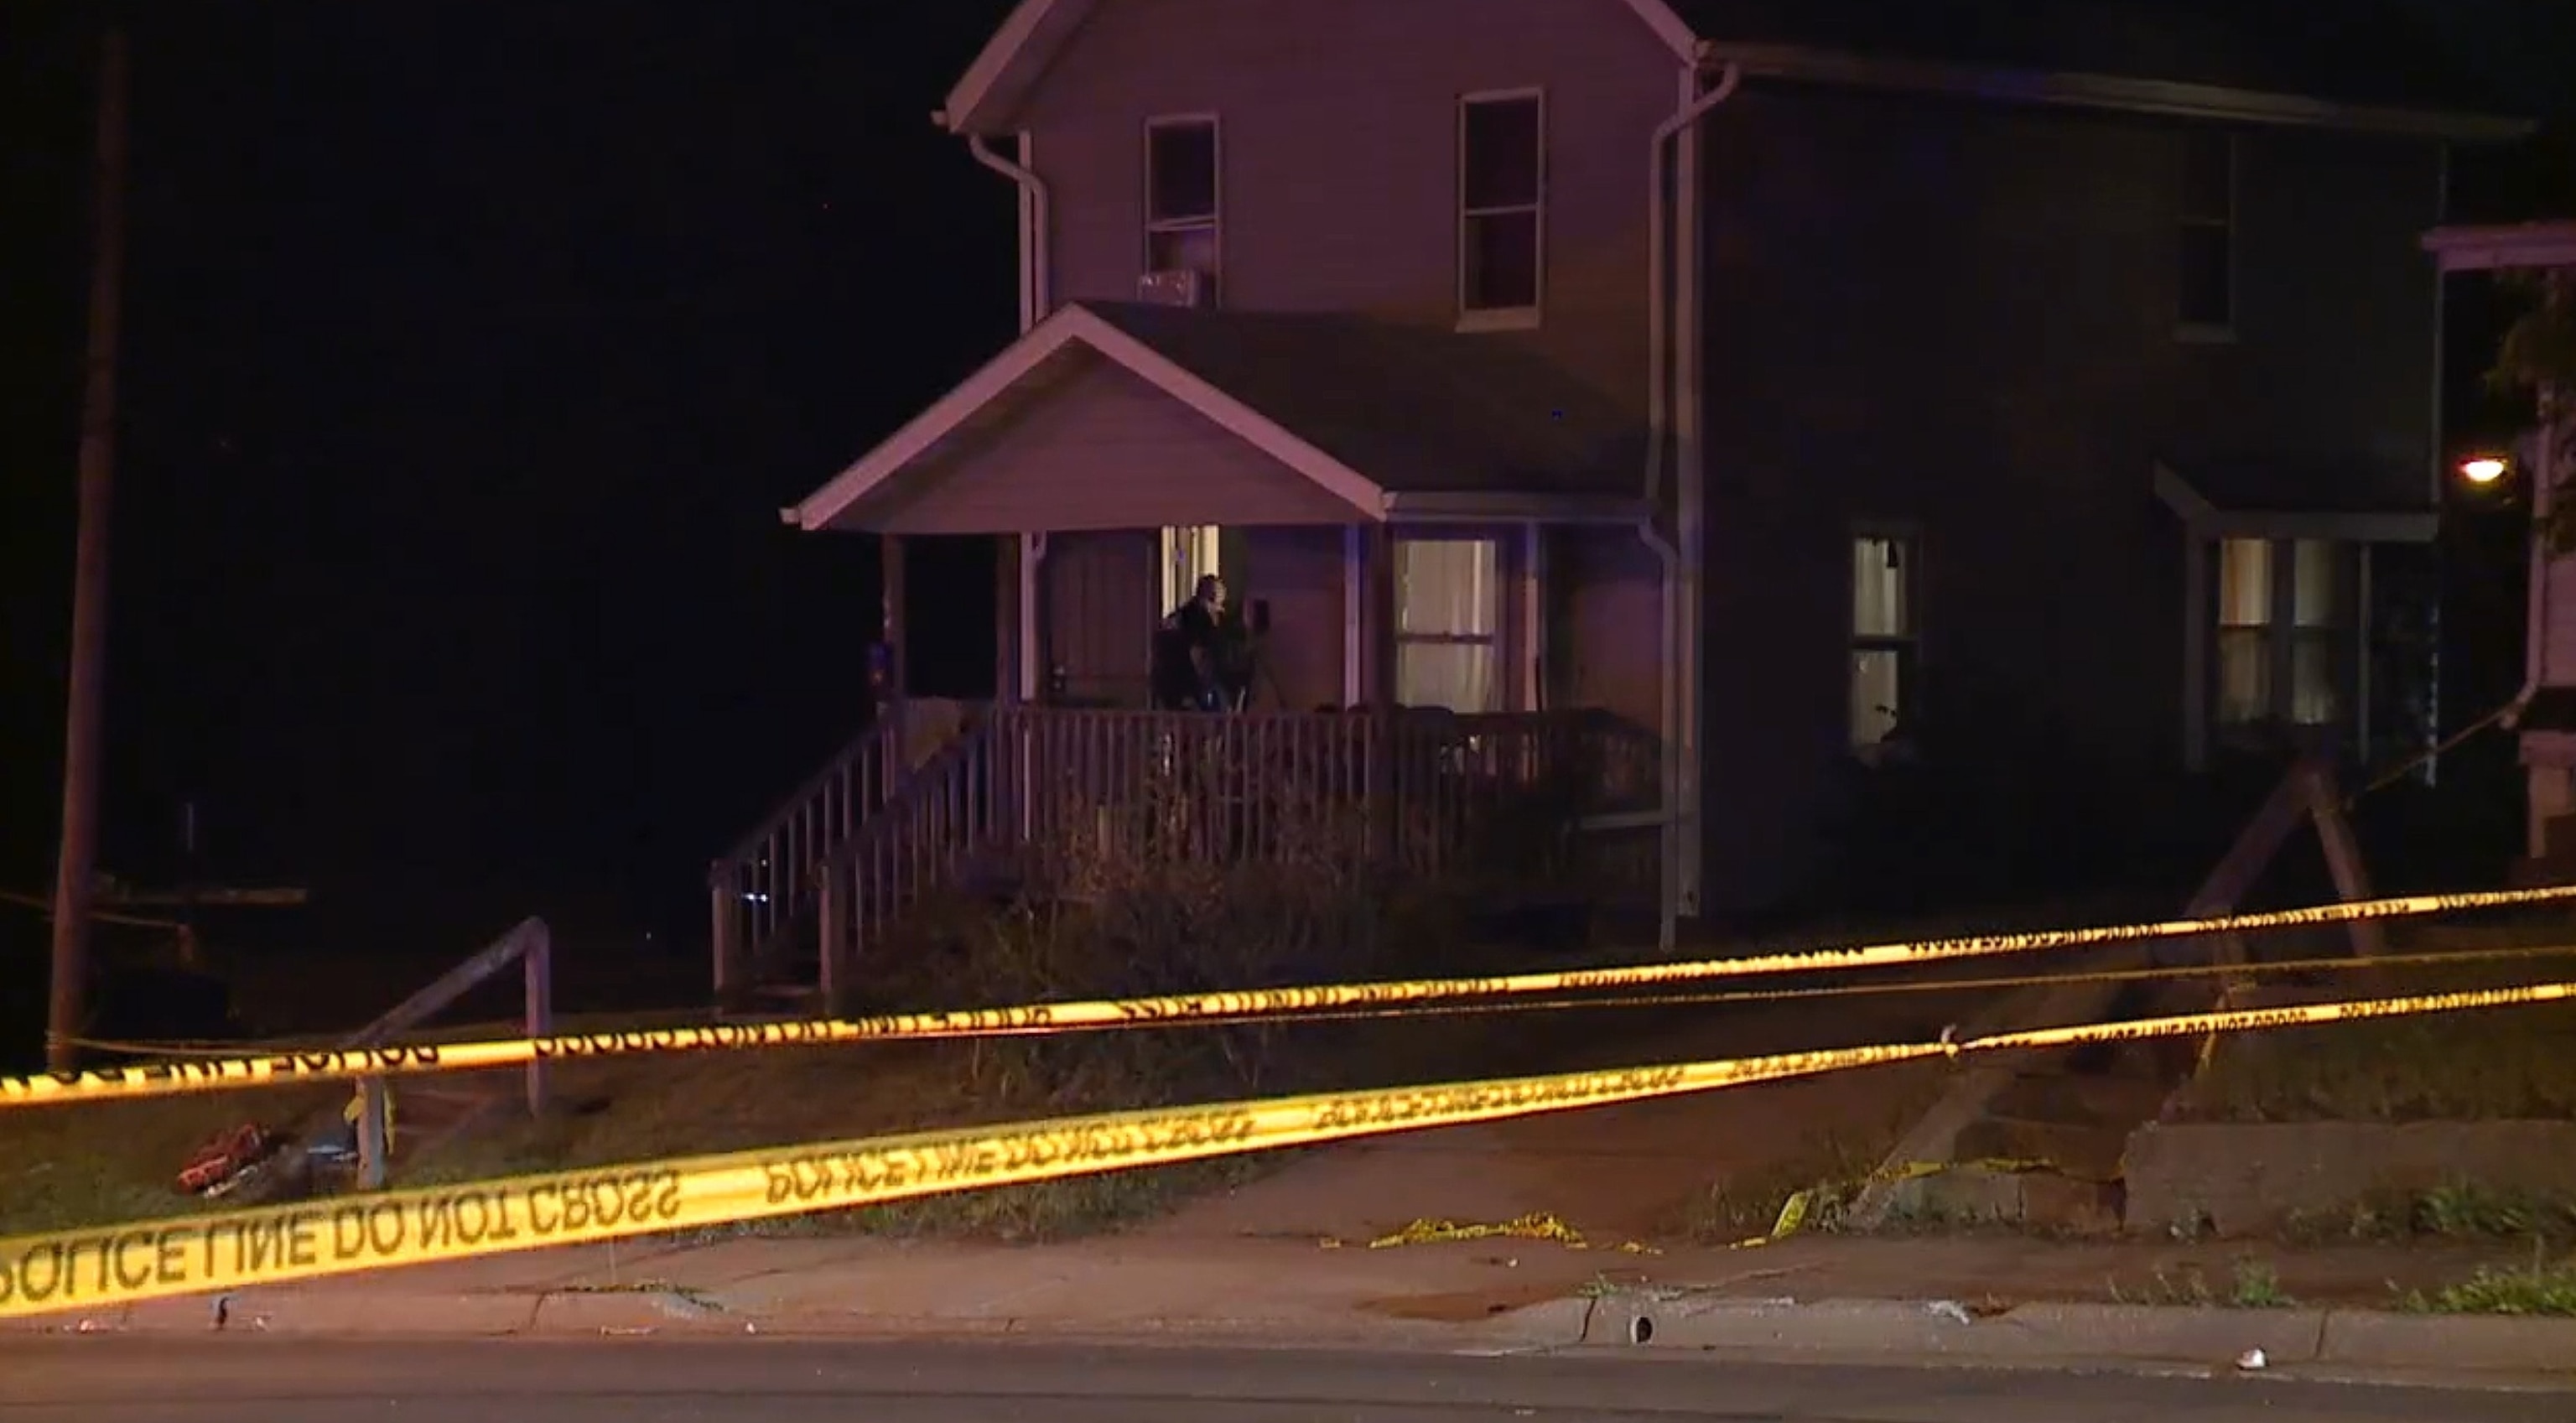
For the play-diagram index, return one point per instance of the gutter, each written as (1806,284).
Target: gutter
(1679,590)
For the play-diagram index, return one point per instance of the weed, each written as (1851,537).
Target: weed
(2545,1287)
(2461,1211)
(2258,1286)
(2189,1288)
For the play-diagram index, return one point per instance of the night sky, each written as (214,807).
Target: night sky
(471,349)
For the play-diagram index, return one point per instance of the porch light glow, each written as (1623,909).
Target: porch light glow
(2484,469)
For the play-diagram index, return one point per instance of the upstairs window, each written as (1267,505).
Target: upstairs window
(1502,198)
(2205,244)
(1181,198)
(1884,638)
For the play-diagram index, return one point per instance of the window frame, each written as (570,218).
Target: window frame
(2188,222)
(1213,223)
(1907,644)
(1185,553)
(1472,316)
(2283,634)
(1498,615)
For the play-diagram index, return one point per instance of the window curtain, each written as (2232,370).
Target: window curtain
(1448,597)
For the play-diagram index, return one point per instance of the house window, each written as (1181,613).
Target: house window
(1181,198)
(1448,616)
(1885,637)
(2316,633)
(1188,554)
(2205,252)
(2280,631)
(2244,631)
(1502,188)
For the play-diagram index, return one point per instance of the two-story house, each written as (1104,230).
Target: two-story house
(1787,380)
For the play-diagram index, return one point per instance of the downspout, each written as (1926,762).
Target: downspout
(1037,298)
(1659,393)
(1676,770)
(1037,301)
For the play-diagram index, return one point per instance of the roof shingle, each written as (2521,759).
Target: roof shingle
(1416,409)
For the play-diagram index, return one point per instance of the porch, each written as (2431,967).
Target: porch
(1056,804)
(1449,587)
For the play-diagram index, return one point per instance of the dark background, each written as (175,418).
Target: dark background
(472,348)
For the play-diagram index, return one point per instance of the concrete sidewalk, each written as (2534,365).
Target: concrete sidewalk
(1986,1299)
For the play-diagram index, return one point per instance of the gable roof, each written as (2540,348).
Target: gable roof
(2369,57)
(1397,422)
(2203,58)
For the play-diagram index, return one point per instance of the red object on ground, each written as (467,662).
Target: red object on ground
(231,1152)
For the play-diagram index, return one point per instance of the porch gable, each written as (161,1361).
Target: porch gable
(1077,388)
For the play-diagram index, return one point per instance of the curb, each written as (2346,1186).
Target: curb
(2070,1333)
(591,1314)
(1647,1320)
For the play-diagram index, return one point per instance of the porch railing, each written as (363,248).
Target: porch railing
(1069,799)
(763,889)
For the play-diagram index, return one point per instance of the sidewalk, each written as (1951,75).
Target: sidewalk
(1985,1299)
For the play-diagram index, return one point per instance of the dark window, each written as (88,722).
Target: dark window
(1181,198)
(1180,159)
(2205,253)
(1502,194)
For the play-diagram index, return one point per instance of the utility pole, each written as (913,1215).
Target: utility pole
(84,722)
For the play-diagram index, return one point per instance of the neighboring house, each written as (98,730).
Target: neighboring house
(2543,713)
(1791,380)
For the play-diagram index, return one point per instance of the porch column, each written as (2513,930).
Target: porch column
(2198,620)
(1377,621)
(1010,630)
(898,670)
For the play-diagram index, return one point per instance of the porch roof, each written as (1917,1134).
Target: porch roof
(1377,421)
(2356,500)
(2521,246)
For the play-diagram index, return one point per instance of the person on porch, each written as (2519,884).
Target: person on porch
(1187,648)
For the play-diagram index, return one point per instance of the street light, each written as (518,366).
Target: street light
(2483,469)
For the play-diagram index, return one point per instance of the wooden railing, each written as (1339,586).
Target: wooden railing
(1069,798)
(763,889)
(529,947)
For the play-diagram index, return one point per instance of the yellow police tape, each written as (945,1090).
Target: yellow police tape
(268,1245)
(160,1079)
(1801,1207)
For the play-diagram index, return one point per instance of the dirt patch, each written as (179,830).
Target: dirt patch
(1465,1306)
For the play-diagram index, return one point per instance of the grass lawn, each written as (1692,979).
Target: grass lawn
(2479,1065)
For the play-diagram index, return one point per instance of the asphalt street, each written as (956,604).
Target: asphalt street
(645,1380)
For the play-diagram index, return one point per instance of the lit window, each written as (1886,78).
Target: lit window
(2316,633)
(1188,554)
(1884,637)
(2281,631)
(2244,630)
(1502,188)
(1448,601)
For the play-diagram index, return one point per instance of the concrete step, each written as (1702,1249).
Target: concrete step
(2086,1153)
(2083,1099)
(2041,1200)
